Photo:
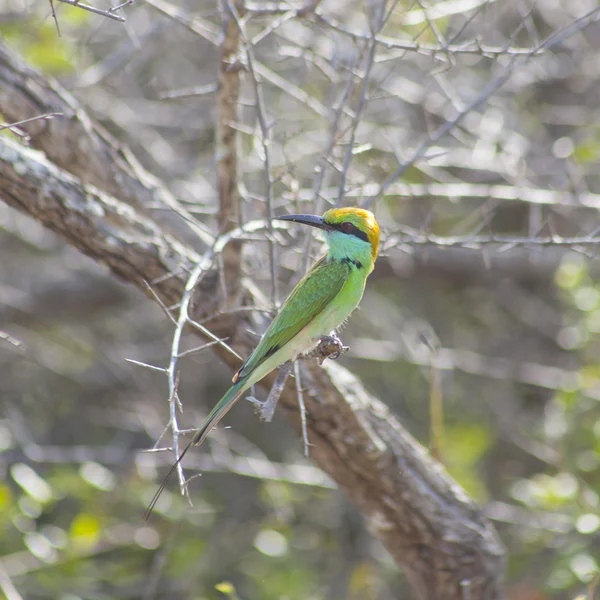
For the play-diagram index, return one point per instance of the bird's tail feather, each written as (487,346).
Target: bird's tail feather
(216,414)
(220,410)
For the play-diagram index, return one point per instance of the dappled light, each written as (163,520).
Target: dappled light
(446,445)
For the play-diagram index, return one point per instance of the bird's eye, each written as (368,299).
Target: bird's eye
(346,227)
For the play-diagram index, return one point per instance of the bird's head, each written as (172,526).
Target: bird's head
(344,226)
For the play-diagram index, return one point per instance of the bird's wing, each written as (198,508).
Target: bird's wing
(310,296)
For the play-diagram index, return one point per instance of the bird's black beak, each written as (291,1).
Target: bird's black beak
(312,220)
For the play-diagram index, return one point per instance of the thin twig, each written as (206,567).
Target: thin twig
(476,242)
(301,406)
(256,465)
(12,340)
(54,17)
(14,127)
(265,128)
(192,92)
(184,319)
(325,158)
(516,61)
(146,365)
(423,48)
(92,9)
(370,60)
(121,6)
(436,411)
(465,190)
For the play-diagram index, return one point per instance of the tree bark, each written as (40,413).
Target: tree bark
(446,547)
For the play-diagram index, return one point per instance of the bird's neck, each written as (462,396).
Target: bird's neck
(349,248)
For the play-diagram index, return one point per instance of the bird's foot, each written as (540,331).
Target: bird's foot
(265,410)
(258,404)
(329,346)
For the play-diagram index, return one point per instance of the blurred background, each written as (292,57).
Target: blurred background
(472,131)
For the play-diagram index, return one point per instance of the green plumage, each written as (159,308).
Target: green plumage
(291,331)
(219,411)
(315,291)
(321,301)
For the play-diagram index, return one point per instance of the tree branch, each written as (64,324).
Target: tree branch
(446,547)
(130,244)
(227,155)
(79,145)
(427,523)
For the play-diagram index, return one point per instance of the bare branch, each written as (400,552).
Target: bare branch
(134,248)
(302,407)
(266,409)
(379,22)
(209,32)
(227,155)
(14,127)
(465,190)
(502,243)
(77,144)
(97,11)
(407,500)
(264,140)
(474,363)
(515,62)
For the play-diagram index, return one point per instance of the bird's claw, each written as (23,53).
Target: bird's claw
(258,404)
(263,410)
(329,346)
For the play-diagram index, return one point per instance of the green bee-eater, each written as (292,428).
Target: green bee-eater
(318,305)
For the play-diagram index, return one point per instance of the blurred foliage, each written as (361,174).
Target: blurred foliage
(518,326)
(40,45)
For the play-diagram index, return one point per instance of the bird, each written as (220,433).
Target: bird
(319,303)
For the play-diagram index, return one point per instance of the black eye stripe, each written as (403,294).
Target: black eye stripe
(351,229)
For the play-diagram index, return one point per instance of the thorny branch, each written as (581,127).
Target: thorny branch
(264,136)
(516,61)
(351,433)
(184,319)
(312,13)
(377,23)
(110,13)
(502,242)
(80,145)
(336,401)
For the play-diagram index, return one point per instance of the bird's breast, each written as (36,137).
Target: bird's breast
(338,310)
